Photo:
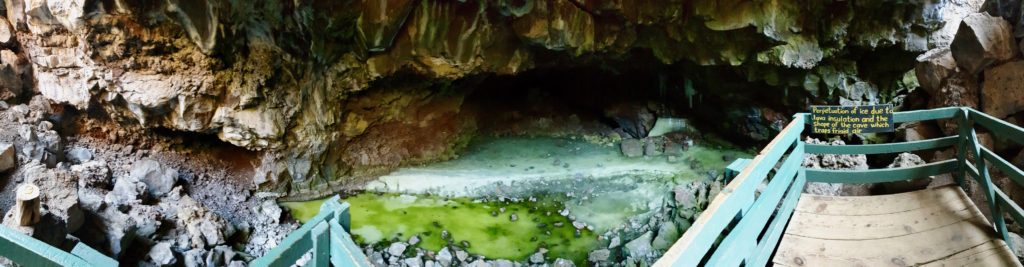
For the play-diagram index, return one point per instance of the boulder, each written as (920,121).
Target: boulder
(960,90)
(640,247)
(203,228)
(916,131)
(7,160)
(690,198)
(560,262)
(415,262)
(904,160)
(92,174)
(933,67)
(60,193)
(1002,93)
(537,258)
(444,257)
(78,155)
(981,41)
(835,162)
(159,179)
(1008,10)
(397,248)
(632,147)
(195,258)
(654,146)
(598,256)
(122,228)
(127,191)
(668,233)
(162,255)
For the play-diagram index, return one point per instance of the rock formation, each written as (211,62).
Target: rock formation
(312,85)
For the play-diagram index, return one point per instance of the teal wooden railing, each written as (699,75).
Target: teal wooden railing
(741,227)
(326,236)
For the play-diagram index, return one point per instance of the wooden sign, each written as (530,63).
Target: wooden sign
(851,119)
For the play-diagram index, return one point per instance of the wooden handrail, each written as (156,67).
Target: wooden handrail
(734,200)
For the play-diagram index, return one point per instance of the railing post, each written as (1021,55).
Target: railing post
(986,183)
(961,151)
(321,245)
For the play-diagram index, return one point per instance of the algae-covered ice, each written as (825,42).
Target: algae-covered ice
(550,184)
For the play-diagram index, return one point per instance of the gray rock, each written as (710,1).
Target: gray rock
(579,225)
(598,256)
(835,162)
(158,179)
(668,233)
(461,255)
(981,41)
(632,147)
(1017,243)
(1003,90)
(641,246)
(560,262)
(615,242)
(513,217)
(413,262)
(377,258)
(933,67)
(78,155)
(7,160)
(479,263)
(654,146)
(397,248)
(502,263)
(537,257)
(236,264)
(414,240)
(92,174)
(161,254)
(444,257)
(127,190)
(195,258)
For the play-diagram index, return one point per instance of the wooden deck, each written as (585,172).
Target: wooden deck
(931,227)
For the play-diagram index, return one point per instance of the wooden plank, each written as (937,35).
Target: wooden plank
(93,257)
(691,248)
(766,247)
(321,245)
(925,115)
(735,167)
(29,251)
(345,252)
(906,250)
(856,227)
(743,238)
(961,155)
(998,127)
(881,175)
(883,204)
(992,253)
(933,143)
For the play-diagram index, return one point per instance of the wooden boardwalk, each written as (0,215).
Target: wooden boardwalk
(932,227)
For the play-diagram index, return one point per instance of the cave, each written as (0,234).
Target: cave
(463,133)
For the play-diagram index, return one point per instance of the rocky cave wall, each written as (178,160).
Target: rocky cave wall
(334,92)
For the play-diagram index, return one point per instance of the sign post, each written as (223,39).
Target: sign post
(851,119)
